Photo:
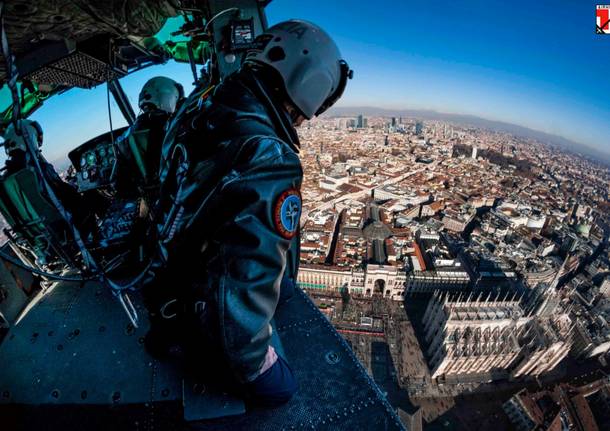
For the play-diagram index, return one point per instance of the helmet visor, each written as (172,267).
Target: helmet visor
(346,73)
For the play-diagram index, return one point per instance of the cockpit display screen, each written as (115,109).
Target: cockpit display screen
(95,162)
(242,34)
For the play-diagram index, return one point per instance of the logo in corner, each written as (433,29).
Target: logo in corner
(287,212)
(602,19)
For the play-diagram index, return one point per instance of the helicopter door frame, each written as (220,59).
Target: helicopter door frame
(120,97)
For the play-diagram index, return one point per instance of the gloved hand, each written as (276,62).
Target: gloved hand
(276,383)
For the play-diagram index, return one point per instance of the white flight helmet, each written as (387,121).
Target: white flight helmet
(308,61)
(161,93)
(14,140)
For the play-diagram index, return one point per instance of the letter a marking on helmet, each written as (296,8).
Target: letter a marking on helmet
(294,28)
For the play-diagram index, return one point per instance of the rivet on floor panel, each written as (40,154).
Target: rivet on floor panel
(129,329)
(332,358)
(199,388)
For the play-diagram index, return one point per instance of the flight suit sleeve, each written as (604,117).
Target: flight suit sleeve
(257,210)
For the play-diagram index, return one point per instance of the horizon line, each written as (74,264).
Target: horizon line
(588,146)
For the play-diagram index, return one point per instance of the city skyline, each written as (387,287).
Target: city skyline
(546,75)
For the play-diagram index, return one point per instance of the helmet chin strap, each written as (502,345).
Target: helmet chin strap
(296,117)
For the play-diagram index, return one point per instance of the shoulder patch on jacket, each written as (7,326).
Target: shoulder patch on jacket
(287,212)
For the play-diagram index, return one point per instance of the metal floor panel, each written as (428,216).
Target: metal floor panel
(335,392)
(74,362)
(75,346)
(13,287)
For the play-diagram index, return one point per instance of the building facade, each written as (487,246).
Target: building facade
(385,280)
(489,338)
(430,281)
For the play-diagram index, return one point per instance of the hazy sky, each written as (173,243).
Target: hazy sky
(533,63)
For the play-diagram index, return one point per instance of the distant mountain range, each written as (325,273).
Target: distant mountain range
(61,164)
(558,141)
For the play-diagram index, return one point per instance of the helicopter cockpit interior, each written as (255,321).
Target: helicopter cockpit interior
(100,168)
(72,320)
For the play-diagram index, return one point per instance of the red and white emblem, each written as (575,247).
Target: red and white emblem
(602,19)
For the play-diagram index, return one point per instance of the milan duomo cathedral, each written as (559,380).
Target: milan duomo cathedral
(488,338)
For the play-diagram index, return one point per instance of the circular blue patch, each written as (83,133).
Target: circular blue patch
(291,209)
(288,213)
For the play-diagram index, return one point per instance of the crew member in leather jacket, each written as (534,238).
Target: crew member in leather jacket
(228,230)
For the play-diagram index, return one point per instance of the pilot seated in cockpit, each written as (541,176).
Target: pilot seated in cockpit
(15,146)
(140,146)
(18,158)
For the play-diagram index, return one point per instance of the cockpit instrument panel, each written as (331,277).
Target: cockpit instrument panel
(95,161)
(119,222)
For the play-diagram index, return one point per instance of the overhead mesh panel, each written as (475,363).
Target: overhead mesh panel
(75,70)
(28,22)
